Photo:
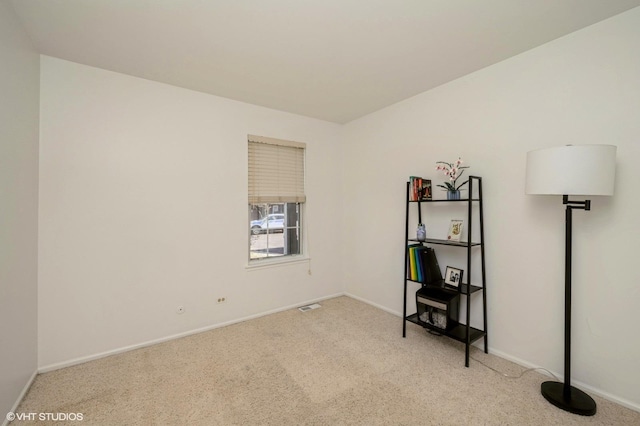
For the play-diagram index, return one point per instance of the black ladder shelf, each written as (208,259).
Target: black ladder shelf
(461,332)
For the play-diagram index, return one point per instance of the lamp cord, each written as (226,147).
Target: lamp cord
(514,377)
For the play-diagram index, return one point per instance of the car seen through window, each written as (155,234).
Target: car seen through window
(270,223)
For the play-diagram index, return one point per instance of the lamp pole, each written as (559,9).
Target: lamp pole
(563,395)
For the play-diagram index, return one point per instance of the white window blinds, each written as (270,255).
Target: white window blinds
(276,171)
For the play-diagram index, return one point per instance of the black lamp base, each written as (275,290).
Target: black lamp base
(576,401)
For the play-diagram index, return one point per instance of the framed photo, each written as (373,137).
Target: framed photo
(453,277)
(455,230)
(425,191)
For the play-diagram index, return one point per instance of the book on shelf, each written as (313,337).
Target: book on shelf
(422,265)
(419,188)
(425,189)
(412,272)
(414,261)
(415,182)
(431,269)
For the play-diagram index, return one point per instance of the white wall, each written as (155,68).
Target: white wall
(19,208)
(143,207)
(582,89)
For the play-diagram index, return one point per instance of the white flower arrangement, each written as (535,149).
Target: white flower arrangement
(453,171)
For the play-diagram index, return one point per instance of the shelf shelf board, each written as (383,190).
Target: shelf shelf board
(445,242)
(459,332)
(464,287)
(463,200)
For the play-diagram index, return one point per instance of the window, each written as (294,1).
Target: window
(276,197)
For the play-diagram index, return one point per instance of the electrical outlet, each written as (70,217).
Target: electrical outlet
(180,310)
(222,300)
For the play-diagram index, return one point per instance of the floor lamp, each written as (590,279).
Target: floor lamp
(570,170)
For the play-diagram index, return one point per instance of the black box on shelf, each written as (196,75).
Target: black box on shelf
(438,307)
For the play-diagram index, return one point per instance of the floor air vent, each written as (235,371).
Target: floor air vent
(308,307)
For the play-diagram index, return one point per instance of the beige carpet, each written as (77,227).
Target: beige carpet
(345,363)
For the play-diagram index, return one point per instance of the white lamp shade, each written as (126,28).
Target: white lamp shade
(571,170)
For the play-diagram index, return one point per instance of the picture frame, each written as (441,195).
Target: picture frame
(455,230)
(425,191)
(453,277)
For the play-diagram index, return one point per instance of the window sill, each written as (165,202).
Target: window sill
(275,262)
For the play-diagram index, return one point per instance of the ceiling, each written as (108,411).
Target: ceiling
(335,60)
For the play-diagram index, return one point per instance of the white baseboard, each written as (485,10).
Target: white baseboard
(20,397)
(368,302)
(81,360)
(583,386)
(526,364)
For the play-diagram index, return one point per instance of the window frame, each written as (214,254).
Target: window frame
(298,198)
